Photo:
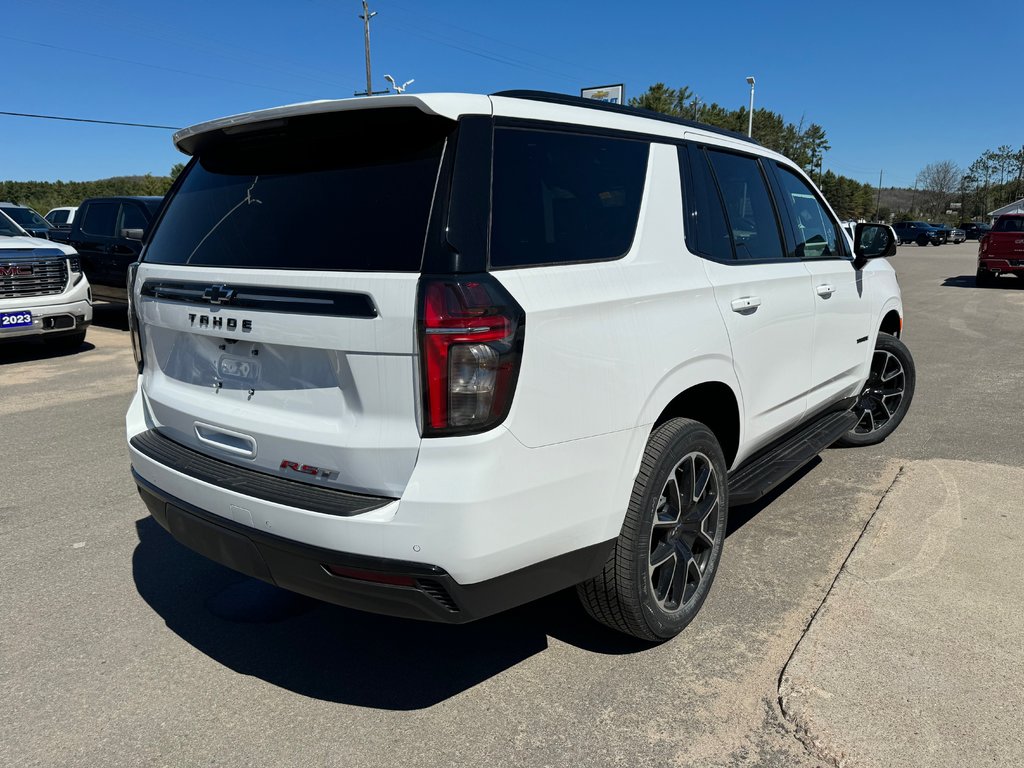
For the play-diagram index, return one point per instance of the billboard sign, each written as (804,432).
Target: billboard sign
(613,94)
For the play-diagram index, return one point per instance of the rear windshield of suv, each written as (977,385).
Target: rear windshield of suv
(1009,224)
(342,191)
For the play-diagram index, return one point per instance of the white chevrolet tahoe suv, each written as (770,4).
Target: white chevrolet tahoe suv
(43,292)
(547,343)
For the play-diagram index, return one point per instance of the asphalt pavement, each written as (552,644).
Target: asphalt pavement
(120,647)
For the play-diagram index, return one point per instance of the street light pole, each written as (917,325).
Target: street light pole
(750,123)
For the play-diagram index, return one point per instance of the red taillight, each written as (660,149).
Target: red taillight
(134,326)
(471,334)
(380,577)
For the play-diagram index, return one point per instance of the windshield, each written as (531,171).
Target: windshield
(8,228)
(344,191)
(27,217)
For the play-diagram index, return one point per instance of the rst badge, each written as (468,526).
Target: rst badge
(306,469)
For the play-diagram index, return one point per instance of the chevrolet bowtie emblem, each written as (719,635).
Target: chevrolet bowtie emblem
(219,294)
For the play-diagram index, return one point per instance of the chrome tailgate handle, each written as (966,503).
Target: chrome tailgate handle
(226,440)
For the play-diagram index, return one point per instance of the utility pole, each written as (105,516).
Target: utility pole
(878,199)
(367,15)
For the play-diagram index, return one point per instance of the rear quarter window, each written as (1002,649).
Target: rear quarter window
(562,198)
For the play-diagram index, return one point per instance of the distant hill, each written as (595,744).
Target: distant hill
(44,195)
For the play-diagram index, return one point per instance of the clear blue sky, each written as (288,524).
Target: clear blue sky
(896,85)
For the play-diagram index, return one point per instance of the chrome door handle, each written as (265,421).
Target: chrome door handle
(825,290)
(746,304)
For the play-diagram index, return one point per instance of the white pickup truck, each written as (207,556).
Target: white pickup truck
(43,291)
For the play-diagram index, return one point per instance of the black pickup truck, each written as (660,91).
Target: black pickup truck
(107,233)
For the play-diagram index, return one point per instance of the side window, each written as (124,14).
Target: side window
(751,215)
(59,217)
(706,230)
(560,198)
(131,218)
(816,234)
(100,219)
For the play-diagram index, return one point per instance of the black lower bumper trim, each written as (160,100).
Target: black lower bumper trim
(434,596)
(279,490)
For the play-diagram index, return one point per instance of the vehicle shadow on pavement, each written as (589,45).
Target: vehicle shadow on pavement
(970,281)
(335,654)
(30,350)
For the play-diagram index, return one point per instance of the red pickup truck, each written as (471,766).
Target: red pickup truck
(1001,250)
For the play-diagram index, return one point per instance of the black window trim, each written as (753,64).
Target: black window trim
(548,126)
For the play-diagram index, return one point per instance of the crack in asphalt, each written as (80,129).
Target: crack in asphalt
(800,731)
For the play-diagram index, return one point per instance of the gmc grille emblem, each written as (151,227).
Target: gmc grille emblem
(15,270)
(219,294)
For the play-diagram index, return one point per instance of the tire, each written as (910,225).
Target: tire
(68,343)
(984,279)
(665,525)
(922,240)
(886,396)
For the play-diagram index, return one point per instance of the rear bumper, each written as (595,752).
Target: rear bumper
(1002,265)
(416,591)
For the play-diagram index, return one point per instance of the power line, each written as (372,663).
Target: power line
(88,120)
(154,66)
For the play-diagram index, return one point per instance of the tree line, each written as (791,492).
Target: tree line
(803,144)
(993,180)
(44,195)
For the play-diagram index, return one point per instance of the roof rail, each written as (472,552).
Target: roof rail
(578,101)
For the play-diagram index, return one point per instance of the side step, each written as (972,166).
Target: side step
(757,477)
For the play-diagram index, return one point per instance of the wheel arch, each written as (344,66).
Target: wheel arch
(705,390)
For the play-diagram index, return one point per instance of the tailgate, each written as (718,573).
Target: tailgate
(277,297)
(327,397)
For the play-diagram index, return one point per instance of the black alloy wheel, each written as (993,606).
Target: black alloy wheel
(667,553)
(886,395)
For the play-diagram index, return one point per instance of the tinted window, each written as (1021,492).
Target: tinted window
(707,232)
(58,217)
(755,232)
(341,191)
(8,228)
(816,234)
(560,197)
(132,217)
(1009,224)
(100,219)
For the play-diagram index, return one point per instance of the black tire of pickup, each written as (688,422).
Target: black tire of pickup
(886,396)
(984,279)
(922,240)
(665,558)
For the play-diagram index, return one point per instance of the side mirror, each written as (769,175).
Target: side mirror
(872,241)
(133,234)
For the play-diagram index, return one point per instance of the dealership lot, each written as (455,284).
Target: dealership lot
(119,647)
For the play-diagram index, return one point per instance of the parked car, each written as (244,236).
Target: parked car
(974,229)
(920,232)
(42,289)
(107,232)
(596,329)
(61,216)
(34,224)
(952,234)
(1001,251)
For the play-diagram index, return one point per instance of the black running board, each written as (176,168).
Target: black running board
(757,477)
